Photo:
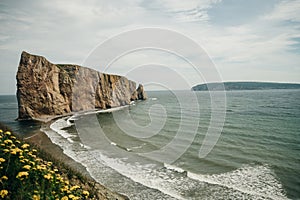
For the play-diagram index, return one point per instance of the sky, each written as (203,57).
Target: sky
(245,40)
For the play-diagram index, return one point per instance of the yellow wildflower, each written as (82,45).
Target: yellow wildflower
(36,197)
(41,167)
(27,167)
(86,193)
(7,133)
(6,150)
(34,150)
(67,182)
(3,193)
(71,196)
(1,131)
(21,174)
(65,188)
(8,141)
(33,156)
(2,160)
(13,137)
(18,141)
(74,187)
(4,178)
(48,176)
(25,146)
(15,151)
(65,198)
(49,164)
(2,144)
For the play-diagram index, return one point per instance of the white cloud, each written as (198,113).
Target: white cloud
(286,10)
(185,11)
(67,31)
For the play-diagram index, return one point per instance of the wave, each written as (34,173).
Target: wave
(257,180)
(171,181)
(151,180)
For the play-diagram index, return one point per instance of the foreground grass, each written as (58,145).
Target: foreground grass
(25,175)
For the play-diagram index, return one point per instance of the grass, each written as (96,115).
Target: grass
(27,173)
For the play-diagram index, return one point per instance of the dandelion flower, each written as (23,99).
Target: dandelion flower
(48,176)
(27,167)
(36,197)
(8,141)
(15,151)
(65,188)
(65,198)
(74,187)
(7,133)
(2,160)
(41,167)
(4,178)
(86,193)
(73,197)
(1,131)
(6,150)
(25,146)
(3,193)
(21,174)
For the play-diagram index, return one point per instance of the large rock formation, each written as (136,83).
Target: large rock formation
(45,90)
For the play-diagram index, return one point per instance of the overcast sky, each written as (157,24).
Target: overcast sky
(247,40)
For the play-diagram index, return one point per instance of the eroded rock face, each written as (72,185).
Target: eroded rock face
(45,89)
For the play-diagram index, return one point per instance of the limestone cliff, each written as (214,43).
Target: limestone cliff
(45,89)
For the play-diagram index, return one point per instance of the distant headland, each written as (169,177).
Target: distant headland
(46,90)
(244,86)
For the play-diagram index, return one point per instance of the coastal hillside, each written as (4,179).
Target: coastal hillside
(245,86)
(27,171)
(46,90)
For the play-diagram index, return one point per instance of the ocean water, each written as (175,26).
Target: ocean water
(257,155)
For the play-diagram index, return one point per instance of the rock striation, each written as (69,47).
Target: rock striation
(45,90)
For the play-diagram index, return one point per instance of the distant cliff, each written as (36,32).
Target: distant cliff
(45,90)
(245,86)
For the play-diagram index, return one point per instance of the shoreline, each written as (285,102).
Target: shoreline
(42,141)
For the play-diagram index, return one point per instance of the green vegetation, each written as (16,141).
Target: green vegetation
(25,173)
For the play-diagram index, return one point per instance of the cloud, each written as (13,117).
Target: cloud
(286,10)
(264,42)
(185,11)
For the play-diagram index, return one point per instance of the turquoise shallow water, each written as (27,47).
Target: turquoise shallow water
(256,156)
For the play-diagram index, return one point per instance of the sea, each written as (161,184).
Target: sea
(150,149)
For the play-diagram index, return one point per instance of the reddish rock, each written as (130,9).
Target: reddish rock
(45,90)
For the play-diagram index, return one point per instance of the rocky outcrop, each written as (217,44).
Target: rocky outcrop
(45,89)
